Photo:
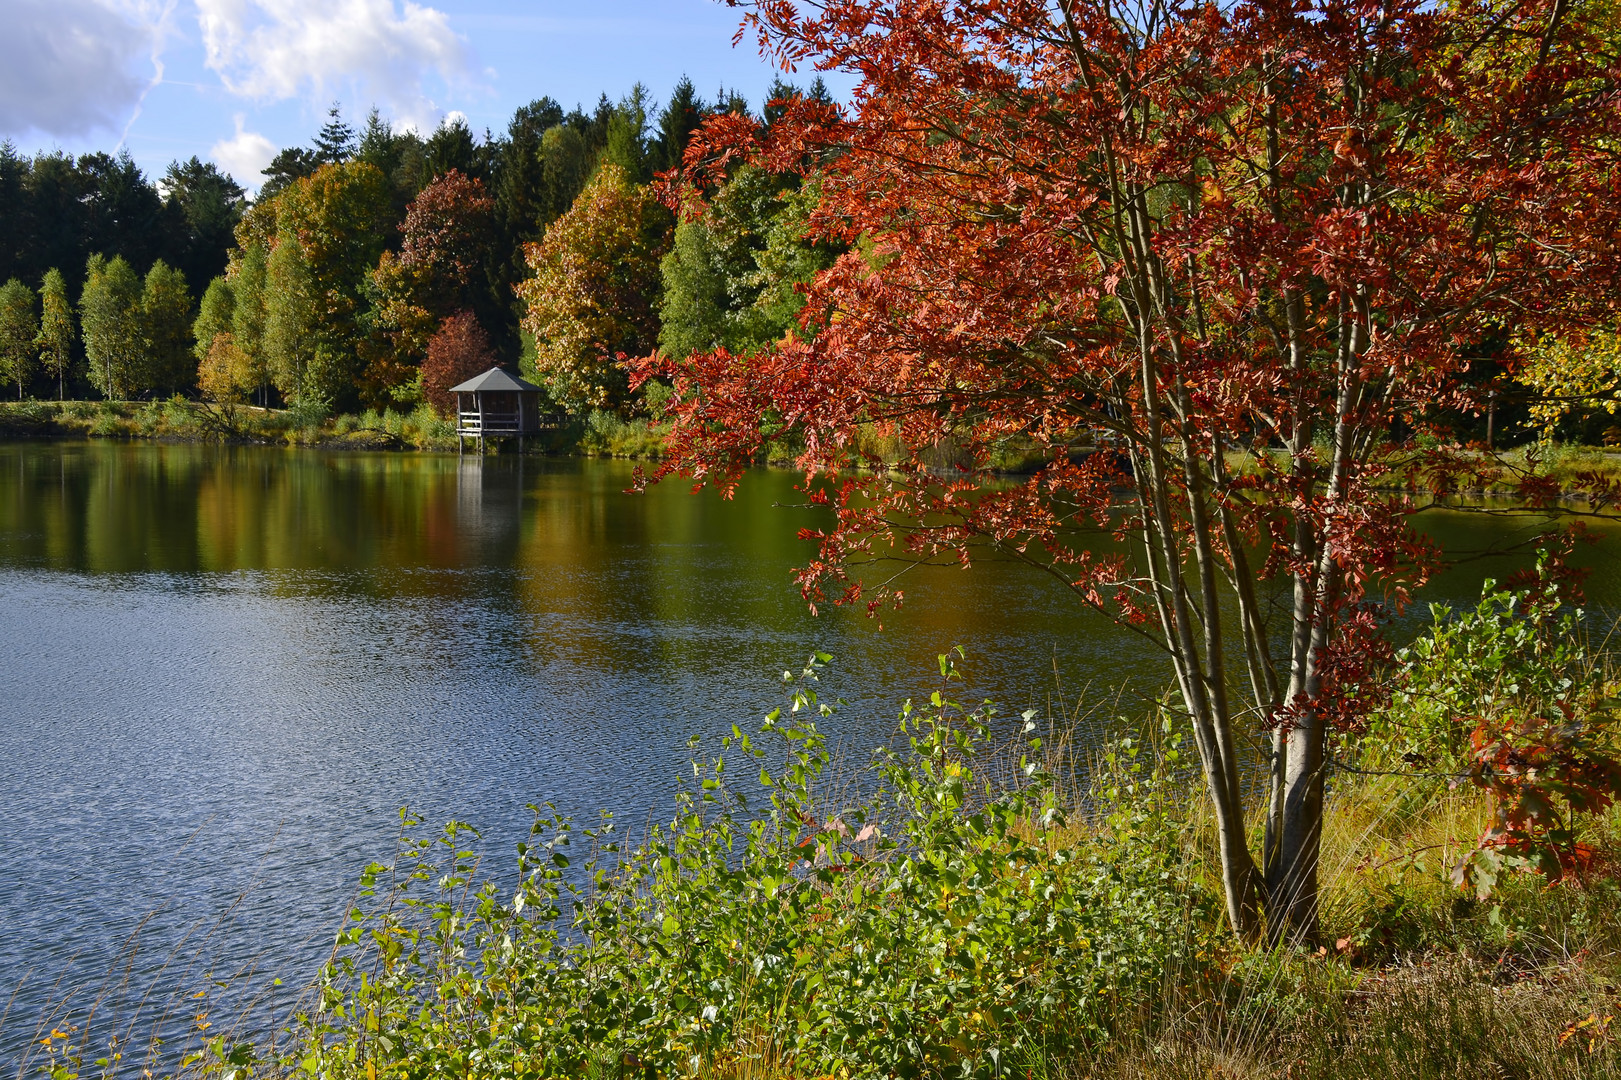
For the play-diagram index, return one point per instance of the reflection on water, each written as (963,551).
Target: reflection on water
(226,669)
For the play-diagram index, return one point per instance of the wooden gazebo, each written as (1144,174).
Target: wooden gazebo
(497,404)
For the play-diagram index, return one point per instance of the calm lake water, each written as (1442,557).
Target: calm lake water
(225,670)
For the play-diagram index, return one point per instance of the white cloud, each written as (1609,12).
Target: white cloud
(65,65)
(271,50)
(244,156)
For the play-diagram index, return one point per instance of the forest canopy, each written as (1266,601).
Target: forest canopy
(327,289)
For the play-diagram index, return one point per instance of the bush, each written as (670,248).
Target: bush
(945,922)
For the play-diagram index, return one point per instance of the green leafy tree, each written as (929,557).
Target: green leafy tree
(566,162)
(215,315)
(110,322)
(214,318)
(731,278)
(55,340)
(18,328)
(166,318)
(330,230)
(595,289)
(248,316)
(290,321)
(218,358)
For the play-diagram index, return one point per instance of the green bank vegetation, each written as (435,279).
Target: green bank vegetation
(988,899)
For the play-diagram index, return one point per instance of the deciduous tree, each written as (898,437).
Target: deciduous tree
(1143,238)
(166,319)
(459,350)
(55,340)
(248,276)
(595,286)
(110,323)
(329,233)
(18,327)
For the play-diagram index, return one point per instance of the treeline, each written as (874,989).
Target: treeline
(378,267)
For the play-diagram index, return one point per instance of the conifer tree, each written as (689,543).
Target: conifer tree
(336,140)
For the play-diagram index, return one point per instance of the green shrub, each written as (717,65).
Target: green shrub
(944,923)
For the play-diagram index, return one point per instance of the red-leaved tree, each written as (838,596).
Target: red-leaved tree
(441,268)
(1208,258)
(460,350)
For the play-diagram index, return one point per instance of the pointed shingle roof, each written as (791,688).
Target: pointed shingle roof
(493,379)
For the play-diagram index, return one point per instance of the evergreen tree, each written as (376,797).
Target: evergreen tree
(452,147)
(14,170)
(678,120)
(523,202)
(110,323)
(18,328)
(626,137)
(55,340)
(291,164)
(398,156)
(335,142)
(166,330)
(204,206)
(124,212)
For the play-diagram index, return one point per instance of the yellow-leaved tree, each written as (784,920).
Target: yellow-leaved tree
(593,293)
(1571,372)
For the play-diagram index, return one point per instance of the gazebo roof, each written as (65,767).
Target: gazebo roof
(494,379)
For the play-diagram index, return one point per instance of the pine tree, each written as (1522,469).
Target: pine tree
(55,340)
(18,328)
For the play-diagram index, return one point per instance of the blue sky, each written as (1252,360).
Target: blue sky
(235,80)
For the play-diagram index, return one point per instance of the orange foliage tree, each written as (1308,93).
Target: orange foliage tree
(1145,239)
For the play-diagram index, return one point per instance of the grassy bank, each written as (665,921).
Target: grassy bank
(599,434)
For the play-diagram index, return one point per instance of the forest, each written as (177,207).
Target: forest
(376,266)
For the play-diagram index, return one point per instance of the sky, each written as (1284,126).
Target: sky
(233,81)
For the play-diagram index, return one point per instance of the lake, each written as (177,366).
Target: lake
(226,669)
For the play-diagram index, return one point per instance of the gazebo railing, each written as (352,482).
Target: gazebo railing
(476,423)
